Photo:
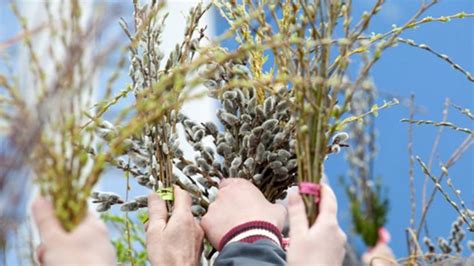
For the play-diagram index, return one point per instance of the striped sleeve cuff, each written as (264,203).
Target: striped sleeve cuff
(252,231)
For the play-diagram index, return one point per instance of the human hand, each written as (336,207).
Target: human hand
(87,244)
(177,241)
(237,202)
(380,255)
(323,242)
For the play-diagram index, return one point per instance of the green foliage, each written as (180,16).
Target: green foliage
(129,242)
(367,219)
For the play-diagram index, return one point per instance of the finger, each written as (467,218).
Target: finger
(328,204)
(198,241)
(206,220)
(282,212)
(157,212)
(328,200)
(43,214)
(199,231)
(297,216)
(182,201)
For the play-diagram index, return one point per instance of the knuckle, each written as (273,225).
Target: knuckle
(184,217)
(240,181)
(186,213)
(243,183)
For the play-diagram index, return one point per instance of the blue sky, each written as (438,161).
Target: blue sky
(404,70)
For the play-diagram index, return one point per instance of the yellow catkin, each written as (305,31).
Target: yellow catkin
(256,65)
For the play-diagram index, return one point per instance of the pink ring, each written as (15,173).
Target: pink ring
(311,189)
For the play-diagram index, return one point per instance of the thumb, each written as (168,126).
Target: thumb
(327,205)
(45,219)
(297,216)
(157,211)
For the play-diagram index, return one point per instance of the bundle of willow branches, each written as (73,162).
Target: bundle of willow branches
(50,110)
(65,157)
(151,153)
(301,46)
(153,149)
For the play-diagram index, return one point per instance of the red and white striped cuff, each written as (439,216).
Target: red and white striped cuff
(252,231)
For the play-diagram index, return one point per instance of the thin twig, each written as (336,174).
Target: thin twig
(463,111)
(452,160)
(438,186)
(439,124)
(411,173)
(127,220)
(443,57)
(435,148)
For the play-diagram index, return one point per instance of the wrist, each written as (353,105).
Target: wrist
(250,232)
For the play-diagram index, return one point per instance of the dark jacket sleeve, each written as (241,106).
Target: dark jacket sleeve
(261,252)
